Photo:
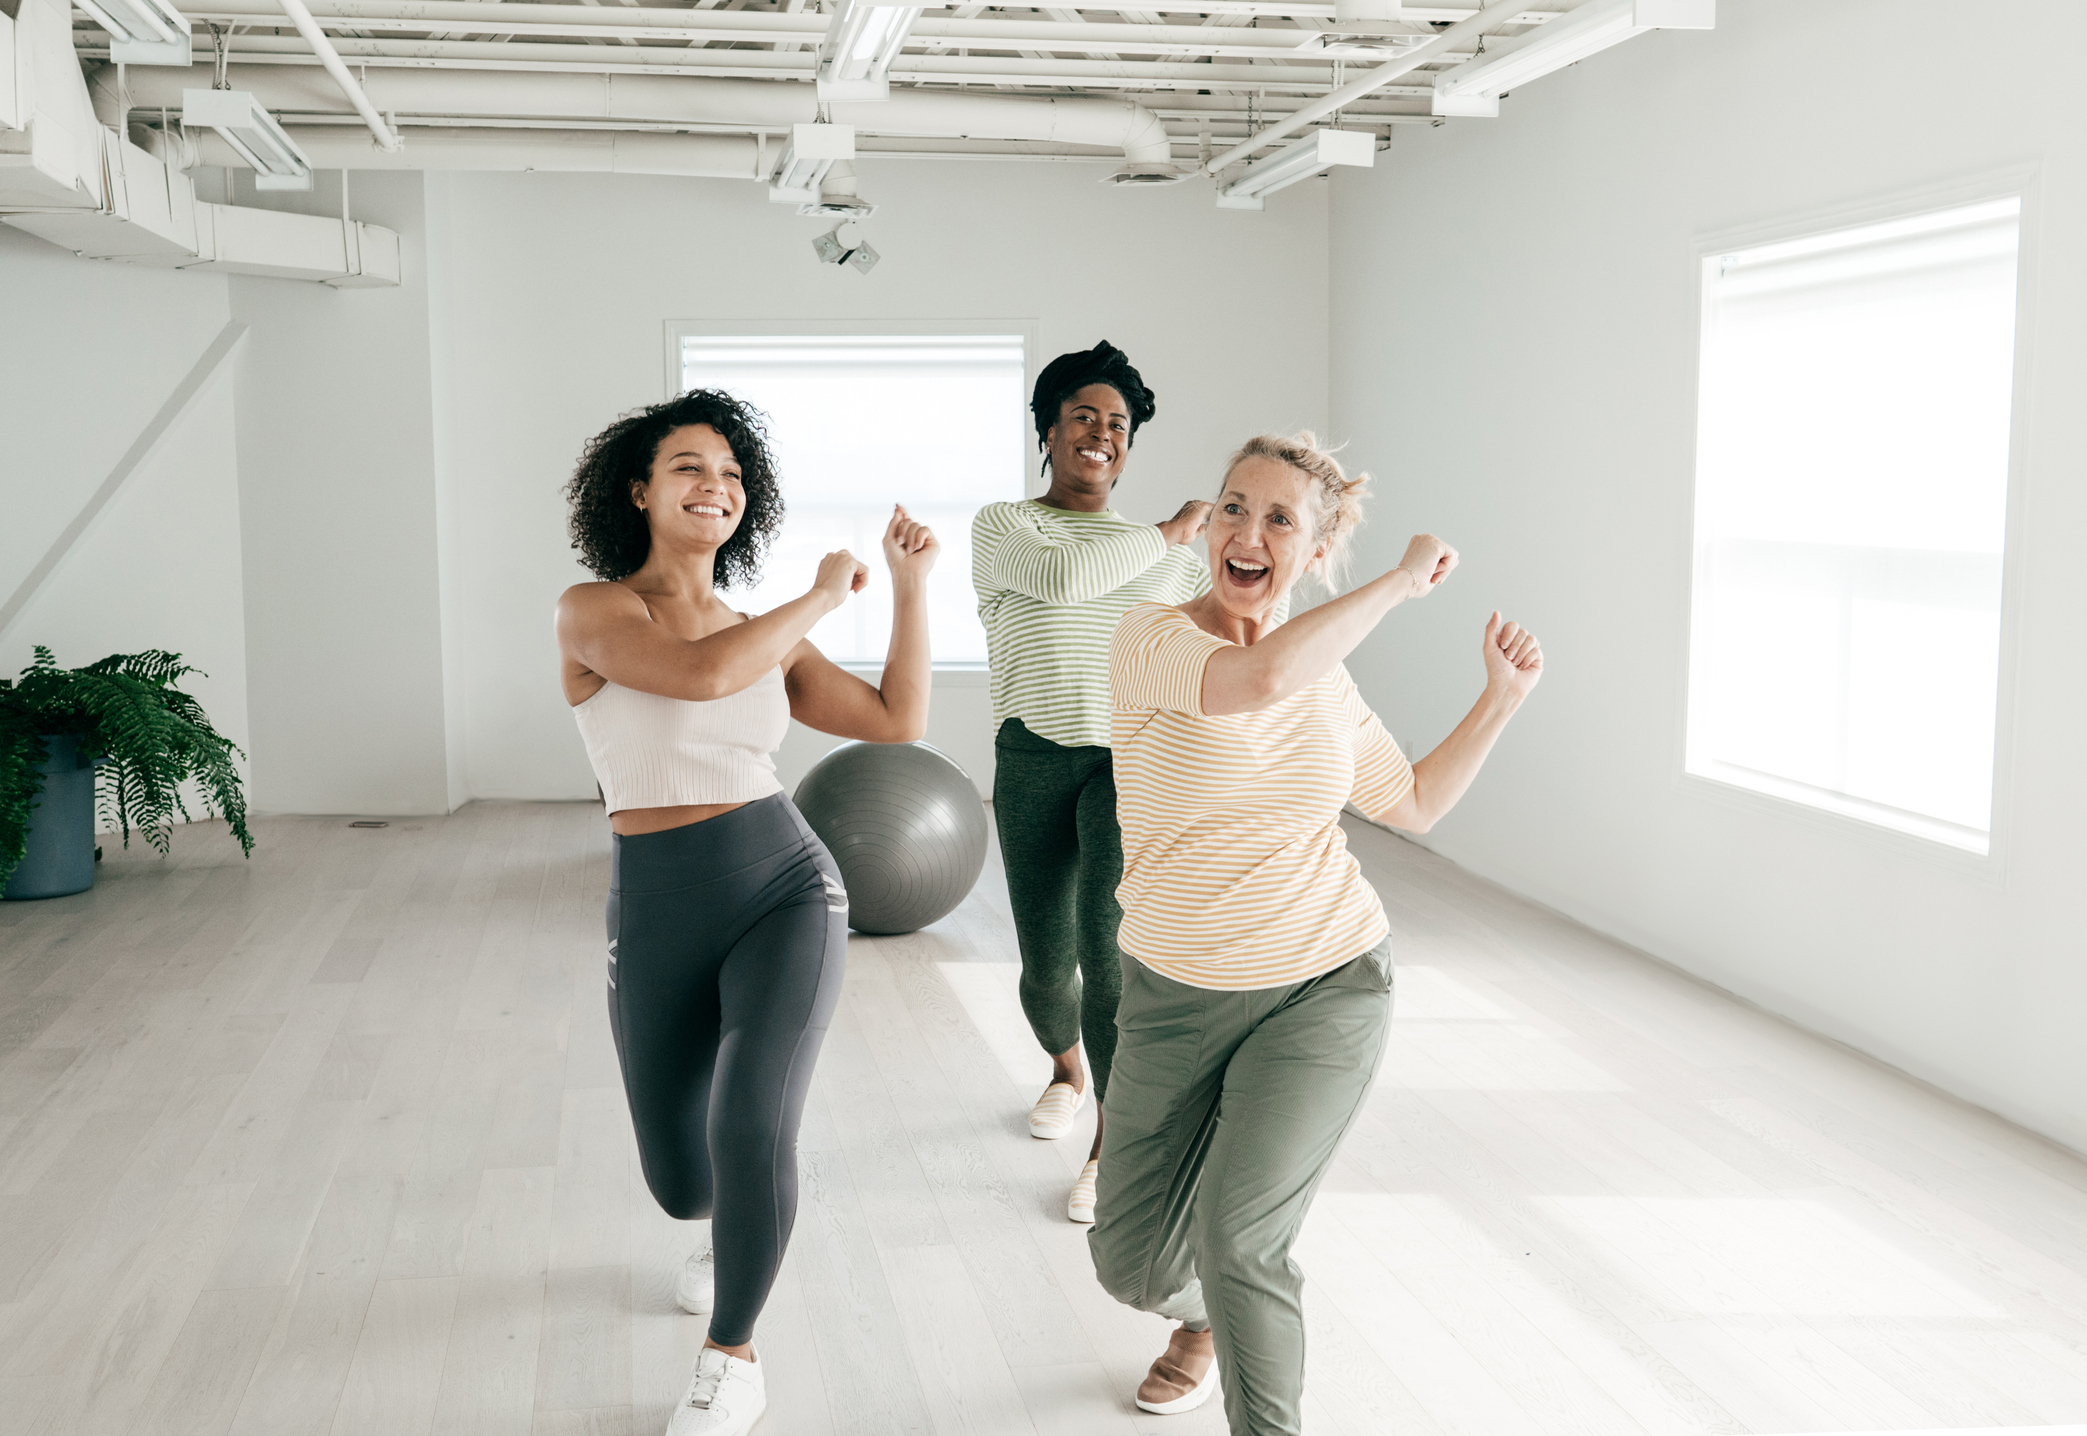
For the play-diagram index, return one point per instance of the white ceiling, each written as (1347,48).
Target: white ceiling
(1213,70)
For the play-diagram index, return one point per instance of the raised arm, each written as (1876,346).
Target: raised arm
(605,626)
(1305,649)
(1514,663)
(1012,555)
(827,697)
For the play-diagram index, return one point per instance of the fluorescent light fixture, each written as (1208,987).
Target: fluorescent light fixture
(176,51)
(138,19)
(1371,28)
(1369,43)
(862,39)
(1475,87)
(811,152)
(1301,159)
(252,133)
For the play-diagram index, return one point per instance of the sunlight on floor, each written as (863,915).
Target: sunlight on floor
(1731,1256)
(991,997)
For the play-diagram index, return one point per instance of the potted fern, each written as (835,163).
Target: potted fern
(120,726)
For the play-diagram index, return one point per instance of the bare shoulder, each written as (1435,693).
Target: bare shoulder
(595,601)
(587,596)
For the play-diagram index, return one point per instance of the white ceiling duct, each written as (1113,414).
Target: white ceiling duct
(550,151)
(73,181)
(748,105)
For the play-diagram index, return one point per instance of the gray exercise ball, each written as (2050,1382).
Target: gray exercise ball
(904,824)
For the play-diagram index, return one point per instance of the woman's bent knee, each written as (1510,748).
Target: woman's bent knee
(683,1200)
(1126,1275)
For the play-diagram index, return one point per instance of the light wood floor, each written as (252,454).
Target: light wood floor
(332,1141)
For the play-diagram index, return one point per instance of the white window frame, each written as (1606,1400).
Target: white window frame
(956,675)
(1778,800)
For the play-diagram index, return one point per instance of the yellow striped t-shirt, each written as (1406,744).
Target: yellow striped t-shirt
(1236,874)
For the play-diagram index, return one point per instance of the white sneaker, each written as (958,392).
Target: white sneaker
(726,1396)
(697,1288)
(1080,1205)
(1052,1116)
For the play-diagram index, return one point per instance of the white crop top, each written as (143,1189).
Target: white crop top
(654,752)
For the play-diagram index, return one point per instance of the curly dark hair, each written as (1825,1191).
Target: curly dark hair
(608,528)
(1068,374)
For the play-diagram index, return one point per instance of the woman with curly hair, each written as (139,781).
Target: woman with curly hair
(727,919)
(1053,575)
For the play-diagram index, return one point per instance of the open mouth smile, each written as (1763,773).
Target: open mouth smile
(1095,456)
(704,510)
(1245,573)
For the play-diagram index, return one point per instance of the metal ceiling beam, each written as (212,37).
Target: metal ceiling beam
(1375,80)
(461,17)
(1313,74)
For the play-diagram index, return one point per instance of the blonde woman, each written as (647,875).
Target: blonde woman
(1257,971)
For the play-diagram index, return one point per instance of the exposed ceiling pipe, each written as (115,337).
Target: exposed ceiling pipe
(653,22)
(662,99)
(330,58)
(547,151)
(1310,75)
(1501,13)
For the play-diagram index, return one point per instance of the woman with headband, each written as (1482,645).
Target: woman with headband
(1054,575)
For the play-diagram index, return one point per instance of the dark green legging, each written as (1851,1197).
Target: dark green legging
(1056,809)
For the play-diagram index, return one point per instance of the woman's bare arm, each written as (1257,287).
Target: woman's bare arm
(1514,663)
(1305,649)
(605,627)
(831,699)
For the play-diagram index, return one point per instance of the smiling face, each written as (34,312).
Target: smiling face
(1091,439)
(694,499)
(1262,536)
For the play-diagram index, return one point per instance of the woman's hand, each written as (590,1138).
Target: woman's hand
(840,574)
(910,549)
(1514,659)
(1429,560)
(1188,523)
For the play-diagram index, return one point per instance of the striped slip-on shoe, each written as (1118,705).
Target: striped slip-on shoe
(1052,1116)
(1080,1205)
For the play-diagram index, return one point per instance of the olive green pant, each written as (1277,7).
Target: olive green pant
(1055,807)
(1224,1113)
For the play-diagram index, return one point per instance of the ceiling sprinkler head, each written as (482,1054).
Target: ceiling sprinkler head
(1148,172)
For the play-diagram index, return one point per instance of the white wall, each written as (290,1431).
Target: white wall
(554,295)
(95,350)
(1513,354)
(337,475)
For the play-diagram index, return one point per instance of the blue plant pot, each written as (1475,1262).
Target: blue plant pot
(60,859)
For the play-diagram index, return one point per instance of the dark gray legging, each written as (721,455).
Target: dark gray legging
(726,943)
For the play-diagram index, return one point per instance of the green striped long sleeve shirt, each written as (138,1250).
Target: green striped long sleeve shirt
(1052,586)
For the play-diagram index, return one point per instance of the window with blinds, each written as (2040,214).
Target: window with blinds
(859,423)
(1851,502)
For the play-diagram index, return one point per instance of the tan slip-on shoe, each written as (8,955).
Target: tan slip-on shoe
(1184,1375)
(1052,1116)
(1080,1205)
